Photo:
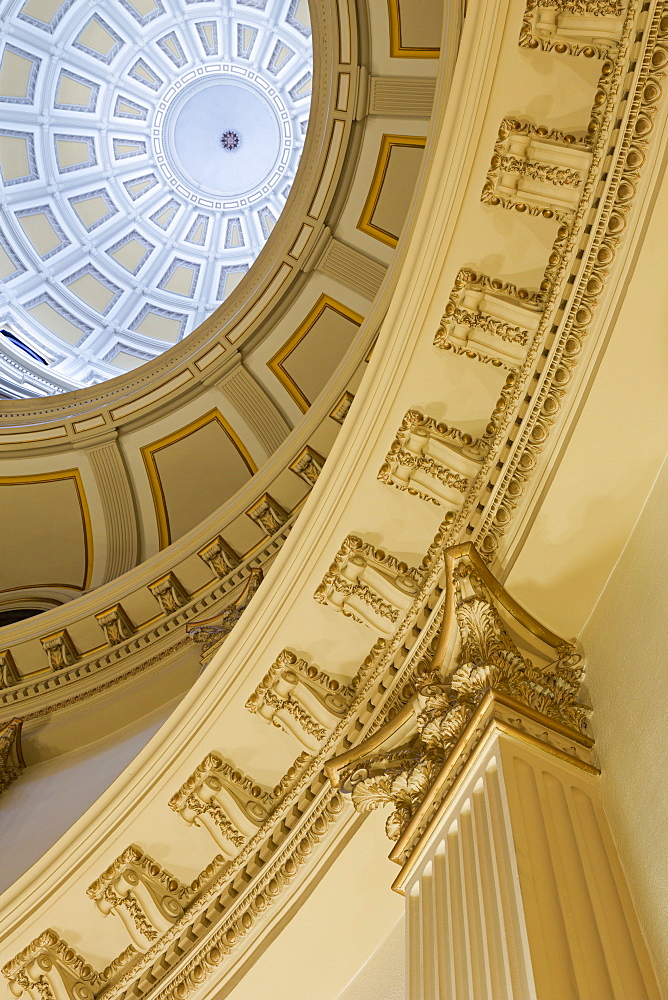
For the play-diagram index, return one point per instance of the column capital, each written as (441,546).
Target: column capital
(493,663)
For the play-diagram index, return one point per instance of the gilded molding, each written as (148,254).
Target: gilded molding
(308,465)
(169,593)
(433,461)
(490,320)
(590,28)
(219,557)
(11,753)
(368,585)
(557,370)
(268,514)
(146,897)
(60,650)
(537,170)
(486,658)
(225,801)
(9,674)
(49,969)
(300,699)
(340,411)
(115,624)
(209,633)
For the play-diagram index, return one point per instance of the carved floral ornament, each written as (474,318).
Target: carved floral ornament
(488,651)
(479,652)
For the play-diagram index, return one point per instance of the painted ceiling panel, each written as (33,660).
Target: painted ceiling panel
(49,538)
(194,471)
(99,178)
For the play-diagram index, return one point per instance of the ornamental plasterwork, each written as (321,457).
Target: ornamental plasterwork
(403,658)
(169,593)
(115,624)
(592,28)
(308,465)
(147,898)
(228,804)
(11,755)
(209,633)
(8,673)
(60,650)
(537,170)
(476,654)
(300,699)
(219,557)
(109,190)
(268,514)
(368,585)
(433,461)
(491,320)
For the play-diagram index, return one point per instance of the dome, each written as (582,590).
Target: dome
(146,153)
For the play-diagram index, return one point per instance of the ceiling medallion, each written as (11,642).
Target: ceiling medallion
(230,140)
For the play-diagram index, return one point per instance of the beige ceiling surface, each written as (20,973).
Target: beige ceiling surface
(44,532)
(305,362)
(391,191)
(193,471)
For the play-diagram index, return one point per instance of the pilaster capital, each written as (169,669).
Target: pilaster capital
(494,667)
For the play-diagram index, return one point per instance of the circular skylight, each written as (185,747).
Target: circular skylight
(147,149)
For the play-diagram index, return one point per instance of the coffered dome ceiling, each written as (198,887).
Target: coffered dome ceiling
(147,150)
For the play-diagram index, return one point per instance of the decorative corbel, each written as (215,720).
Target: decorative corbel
(11,752)
(225,801)
(115,624)
(9,674)
(491,320)
(211,632)
(49,969)
(493,663)
(308,465)
(147,898)
(340,411)
(433,461)
(300,699)
(591,28)
(219,557)
(268,514)
(537,170)
(368,585)
(60,650)
(169,593)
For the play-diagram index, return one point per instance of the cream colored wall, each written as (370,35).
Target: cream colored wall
(52,795)
(383,976)
(624,641)
(324,949)
(594,491)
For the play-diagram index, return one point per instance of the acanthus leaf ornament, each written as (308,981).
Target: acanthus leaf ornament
(478,655)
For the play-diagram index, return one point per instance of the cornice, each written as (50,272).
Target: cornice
(385,678)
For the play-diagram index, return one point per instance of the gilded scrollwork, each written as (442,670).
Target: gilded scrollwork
(209,633)
(537,170)
(445,696)
(11,754)
(368,585)
(300,699)
(225,801)
(591,28)
(431,460)
(147,898)
(488,319)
